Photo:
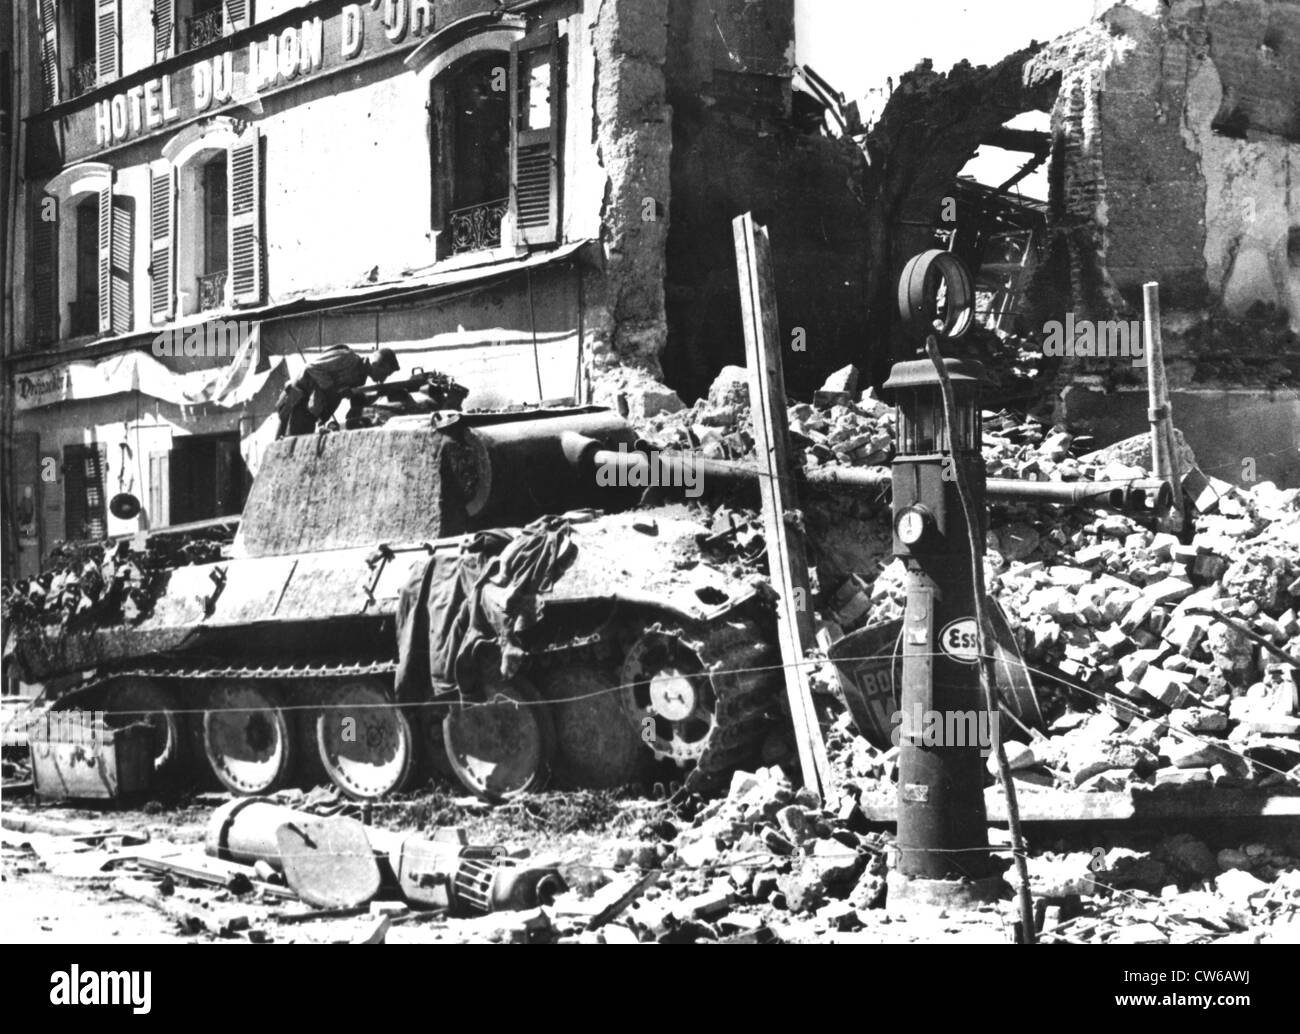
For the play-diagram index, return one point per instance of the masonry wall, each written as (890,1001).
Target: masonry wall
(1178,130)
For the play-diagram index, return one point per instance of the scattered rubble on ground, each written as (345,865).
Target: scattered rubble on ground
(1141,689)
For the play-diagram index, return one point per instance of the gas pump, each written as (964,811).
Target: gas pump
(942,827)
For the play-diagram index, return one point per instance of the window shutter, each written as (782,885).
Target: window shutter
(122,250)
(536,93)
(49,29)
(106,259)
(83,493)
(107,41)
(45,275)
(161,265)
(164,29)
(159,489)
(238,15)
(245,192)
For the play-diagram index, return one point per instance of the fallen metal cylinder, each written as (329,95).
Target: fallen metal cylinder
(243,830)
(1115,495)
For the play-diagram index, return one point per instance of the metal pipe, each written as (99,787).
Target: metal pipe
(1115,495)
(668,470)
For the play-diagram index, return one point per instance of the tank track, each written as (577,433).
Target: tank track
(193,673)
(740,666)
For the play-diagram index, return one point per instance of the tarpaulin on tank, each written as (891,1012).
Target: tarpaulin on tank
(487,593)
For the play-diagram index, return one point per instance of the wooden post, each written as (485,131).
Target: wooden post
(1164,454)
(786,557)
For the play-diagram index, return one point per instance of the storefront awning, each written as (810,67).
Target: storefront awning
(224,386)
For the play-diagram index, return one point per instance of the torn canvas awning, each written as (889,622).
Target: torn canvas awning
(224,386)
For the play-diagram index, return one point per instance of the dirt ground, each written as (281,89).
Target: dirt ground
(45,897)
(56,890)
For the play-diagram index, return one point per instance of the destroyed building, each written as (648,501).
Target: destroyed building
(532,197)
(1172,139)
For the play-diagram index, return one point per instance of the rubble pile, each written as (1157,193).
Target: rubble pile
(1180,892)
(764,854)
(1118,614)
(1138,687)
(82,584)
(841,426)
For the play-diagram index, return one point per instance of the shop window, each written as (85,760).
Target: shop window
(204,476)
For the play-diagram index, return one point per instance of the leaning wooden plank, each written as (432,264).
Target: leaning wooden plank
(787,559)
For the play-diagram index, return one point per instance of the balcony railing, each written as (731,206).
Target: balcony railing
(212,291)
(477,227)
(83,76)
(202,29)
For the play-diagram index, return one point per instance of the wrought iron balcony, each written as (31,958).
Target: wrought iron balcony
(205,28)
(212,291)
(477,227)
(83,77)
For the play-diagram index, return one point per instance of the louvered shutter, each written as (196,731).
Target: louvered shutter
(45,275)
(245,191)
(108,61)
(159,489)
(164,29)
(535,148)
(238,15)
(49,29)
(106,260)
(84,513)
(161,264)
(121,252)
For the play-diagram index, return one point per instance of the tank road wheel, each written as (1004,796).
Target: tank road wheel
(130,701)
(364,739)
(497,748)
(700,698)
(247,739)
(597,745)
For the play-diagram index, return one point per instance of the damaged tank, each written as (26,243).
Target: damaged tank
(454,593)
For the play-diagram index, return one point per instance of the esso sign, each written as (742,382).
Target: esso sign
(960,642)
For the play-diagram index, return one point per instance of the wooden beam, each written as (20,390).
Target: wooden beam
(787,559)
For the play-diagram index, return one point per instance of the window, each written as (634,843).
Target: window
(471,112)
(84,307)
(495,146)
(90,34)
(62,254)
(215,243)
(215,261)
(83,68)
(207,21)
(202,477)
(84,516)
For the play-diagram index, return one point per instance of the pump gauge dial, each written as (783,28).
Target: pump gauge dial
(912,524)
